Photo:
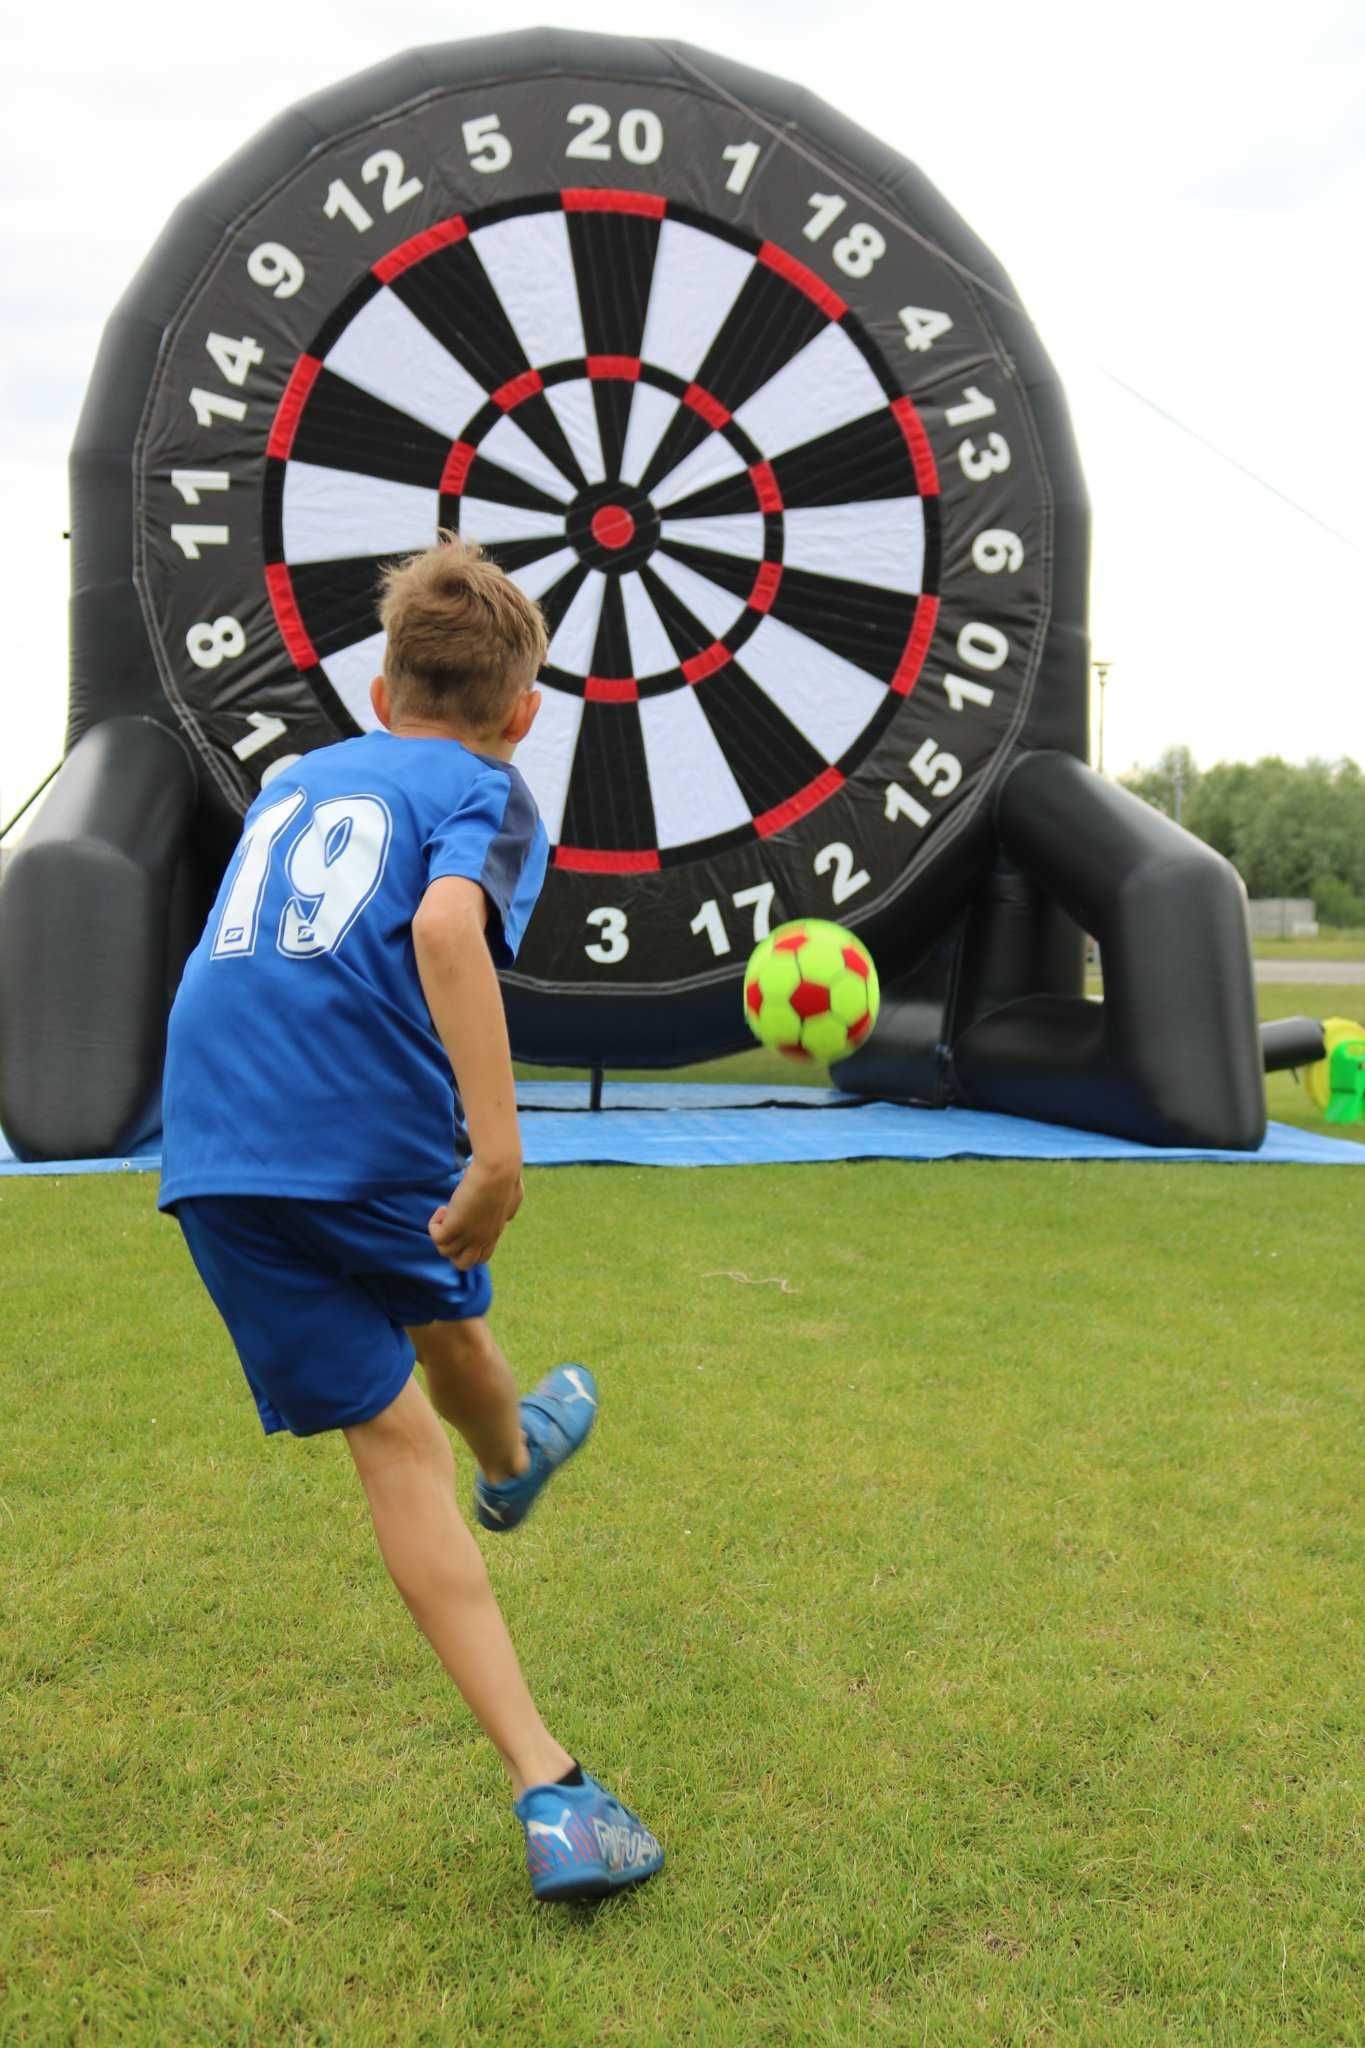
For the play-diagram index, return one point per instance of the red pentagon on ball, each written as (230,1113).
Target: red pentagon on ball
(857,1032)
(809,999)
(753,996)
(855,960)
(792,942)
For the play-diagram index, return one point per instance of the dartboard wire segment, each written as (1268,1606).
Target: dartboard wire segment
(682,443)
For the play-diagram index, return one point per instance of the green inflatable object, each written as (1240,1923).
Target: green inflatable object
(1336,1082)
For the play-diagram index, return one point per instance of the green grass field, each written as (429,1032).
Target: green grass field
(1333,942)
(965,1582)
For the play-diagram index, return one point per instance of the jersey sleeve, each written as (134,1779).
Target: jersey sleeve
(494,837)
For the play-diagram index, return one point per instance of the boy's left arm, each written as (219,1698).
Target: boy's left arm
(465,1001)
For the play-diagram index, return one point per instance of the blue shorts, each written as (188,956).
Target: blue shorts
(318,1296)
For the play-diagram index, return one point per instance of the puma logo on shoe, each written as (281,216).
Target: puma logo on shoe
(540,1827)
(580,1391)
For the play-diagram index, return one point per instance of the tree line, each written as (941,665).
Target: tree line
(1289,831)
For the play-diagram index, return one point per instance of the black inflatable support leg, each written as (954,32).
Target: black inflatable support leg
(1173,1056)
(85,927)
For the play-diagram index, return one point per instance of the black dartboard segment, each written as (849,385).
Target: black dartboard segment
(754,438)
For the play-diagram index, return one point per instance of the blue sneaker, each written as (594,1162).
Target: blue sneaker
(556,1419)
(581,1843)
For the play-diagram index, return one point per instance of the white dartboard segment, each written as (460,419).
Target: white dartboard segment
(546,756)
(879,542)
(530,266)
(694,792)
(572,405)
(826,698)
(716,608)
(714,462)
(651,650)
(736,533)
(514,450)
(828,385)
(483,520)
(573,643)
(697,279)
(651,412)
(333,513)
(540,576)
(387,352)
(351,671)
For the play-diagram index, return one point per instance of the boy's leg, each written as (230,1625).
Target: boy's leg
(404,1460)
(471,1384)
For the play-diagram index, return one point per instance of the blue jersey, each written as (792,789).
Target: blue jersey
(302,1059)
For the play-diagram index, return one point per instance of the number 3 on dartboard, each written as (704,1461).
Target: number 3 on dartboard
(612,944)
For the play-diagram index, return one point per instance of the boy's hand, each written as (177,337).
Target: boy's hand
(466,1230)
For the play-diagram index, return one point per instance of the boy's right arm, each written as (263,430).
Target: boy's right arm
(462,993)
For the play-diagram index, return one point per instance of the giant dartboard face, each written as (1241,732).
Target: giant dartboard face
(750,439)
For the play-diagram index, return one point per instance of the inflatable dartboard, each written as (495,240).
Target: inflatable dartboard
(719,380)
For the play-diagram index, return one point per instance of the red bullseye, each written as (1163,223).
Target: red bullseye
(613,527)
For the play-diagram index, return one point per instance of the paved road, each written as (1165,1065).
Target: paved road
(1311,970)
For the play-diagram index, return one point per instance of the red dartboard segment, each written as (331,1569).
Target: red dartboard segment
(807,799)
(280,585)
(805,280)
(700,666)
(517,390)
(605,369)
(581,199)
(921,451)
(456,472)
(765,588)
(706,406)
(302,378)
(611,690)
(916,647)
(612,527)
(588,860)
(418,247)
(766,487)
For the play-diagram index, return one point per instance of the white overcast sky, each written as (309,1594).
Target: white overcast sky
(1178,191)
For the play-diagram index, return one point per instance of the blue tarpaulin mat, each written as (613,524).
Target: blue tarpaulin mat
(662,1123)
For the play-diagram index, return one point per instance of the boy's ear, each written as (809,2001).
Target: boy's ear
(522,719)
(379,700)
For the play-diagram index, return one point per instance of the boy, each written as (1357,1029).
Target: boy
(312,1132)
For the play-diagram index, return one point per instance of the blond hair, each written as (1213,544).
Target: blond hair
(463,640)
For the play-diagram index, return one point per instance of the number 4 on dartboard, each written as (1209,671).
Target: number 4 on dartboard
(923,327)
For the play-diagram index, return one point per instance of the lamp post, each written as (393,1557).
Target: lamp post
(1101,669)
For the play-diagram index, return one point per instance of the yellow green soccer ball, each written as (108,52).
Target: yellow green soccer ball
(811,990)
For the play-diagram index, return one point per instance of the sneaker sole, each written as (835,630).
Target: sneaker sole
(592,1882)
